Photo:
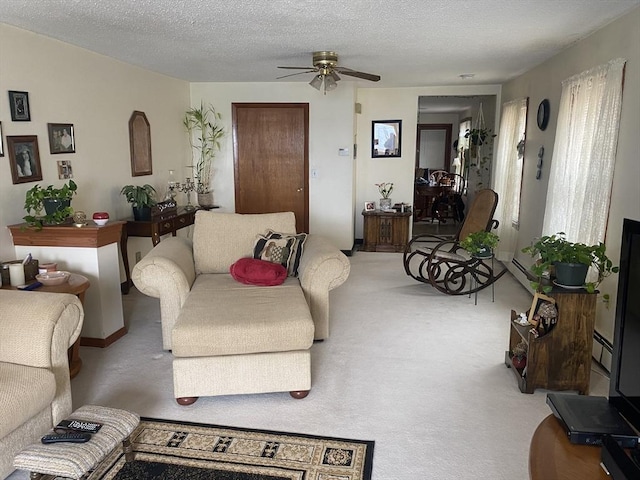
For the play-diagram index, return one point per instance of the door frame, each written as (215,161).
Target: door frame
(305,185)
(447,127)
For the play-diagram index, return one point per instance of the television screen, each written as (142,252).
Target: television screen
(624,390)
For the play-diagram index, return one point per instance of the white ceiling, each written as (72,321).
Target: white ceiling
(407,42)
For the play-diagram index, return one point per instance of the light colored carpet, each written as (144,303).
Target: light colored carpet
(419,372)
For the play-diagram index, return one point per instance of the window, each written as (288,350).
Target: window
(508,173)
(581,173)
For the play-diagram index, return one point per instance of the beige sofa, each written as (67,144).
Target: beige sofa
(36,330)
(228,337)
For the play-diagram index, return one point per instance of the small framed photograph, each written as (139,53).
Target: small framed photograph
(64,169)
(19,106)
(25,158)
(1,142)
(386,138)
(369,206)
(62,138)
(538,300)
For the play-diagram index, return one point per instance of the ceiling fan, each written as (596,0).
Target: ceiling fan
(325,66)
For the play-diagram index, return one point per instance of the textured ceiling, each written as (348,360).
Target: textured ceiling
(407,42)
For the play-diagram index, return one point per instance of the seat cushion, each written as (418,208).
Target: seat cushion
(24,391)
(223,317)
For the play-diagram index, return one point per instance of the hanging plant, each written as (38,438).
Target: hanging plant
(479,136)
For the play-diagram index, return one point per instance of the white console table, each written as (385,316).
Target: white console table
(93,252)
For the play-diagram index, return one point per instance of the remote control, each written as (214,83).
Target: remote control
(79,425)
(72,437)
(31,286)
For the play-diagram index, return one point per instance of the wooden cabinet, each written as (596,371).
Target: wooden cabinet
(560,359)
(385,231)
(154,228)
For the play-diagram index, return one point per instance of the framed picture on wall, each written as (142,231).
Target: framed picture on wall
(25,158)
(140,144)
(19,106)
(386,138)
(62,138)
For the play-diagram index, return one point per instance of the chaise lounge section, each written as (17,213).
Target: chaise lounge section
(229,337)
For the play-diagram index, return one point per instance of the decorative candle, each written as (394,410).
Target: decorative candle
(16,274)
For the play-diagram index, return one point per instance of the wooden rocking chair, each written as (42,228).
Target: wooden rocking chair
(441,262)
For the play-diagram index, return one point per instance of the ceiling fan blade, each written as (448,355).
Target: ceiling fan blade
(299,73)
(353,73)
(297,68)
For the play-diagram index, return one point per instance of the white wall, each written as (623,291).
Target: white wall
(619,39)
(393,104)
(97,95)
(331,119)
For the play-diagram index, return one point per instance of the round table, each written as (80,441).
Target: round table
(553,457)
(77,285)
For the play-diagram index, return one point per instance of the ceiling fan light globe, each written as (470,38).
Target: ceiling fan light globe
(334,75)
(329,83)
(316,82)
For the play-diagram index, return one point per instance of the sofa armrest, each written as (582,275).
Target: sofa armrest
(37,329)
(167,272)
(323,267)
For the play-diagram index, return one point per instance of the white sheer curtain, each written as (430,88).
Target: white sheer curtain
(584,154)
(508,174)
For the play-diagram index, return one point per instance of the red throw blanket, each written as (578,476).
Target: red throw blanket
(253,271)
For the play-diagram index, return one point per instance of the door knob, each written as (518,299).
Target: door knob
(300,189)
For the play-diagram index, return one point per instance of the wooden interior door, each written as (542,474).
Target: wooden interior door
(271,159)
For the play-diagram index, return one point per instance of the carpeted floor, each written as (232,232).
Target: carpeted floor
(419,372)
(189,451)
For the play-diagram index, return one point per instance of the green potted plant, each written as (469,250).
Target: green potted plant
(205,134)
(56,203)
(480,244)
(478,136)
(141,198)
(568,261)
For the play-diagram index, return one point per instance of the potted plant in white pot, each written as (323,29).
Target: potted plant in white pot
(141,198)
(205,134)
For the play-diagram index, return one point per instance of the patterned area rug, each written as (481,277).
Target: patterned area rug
(171,450)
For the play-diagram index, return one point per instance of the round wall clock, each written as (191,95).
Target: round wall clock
(543,114)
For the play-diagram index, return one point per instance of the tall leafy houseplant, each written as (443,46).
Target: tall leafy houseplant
(205,134)
(56,203)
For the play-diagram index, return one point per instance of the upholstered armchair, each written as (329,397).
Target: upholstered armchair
(36,331)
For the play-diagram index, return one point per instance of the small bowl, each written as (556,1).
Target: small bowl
(101,221)
(100,215)
(53,278)
(49,267)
